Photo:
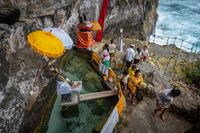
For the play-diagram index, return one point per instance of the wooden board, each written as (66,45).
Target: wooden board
(97,95)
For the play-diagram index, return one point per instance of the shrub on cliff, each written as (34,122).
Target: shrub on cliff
(193,74)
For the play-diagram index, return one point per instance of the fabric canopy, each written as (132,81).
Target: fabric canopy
(84,39)
(102,17)
(46,44)
(62,36)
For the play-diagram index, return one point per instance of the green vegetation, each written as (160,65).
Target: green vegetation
(193,74)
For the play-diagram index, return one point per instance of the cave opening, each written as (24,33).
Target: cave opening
(9,15)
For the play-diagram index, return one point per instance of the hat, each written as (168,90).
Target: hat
(132,45)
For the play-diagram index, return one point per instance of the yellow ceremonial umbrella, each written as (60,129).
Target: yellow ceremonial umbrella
(96,26)
(46,44)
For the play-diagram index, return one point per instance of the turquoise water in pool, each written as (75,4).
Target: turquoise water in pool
(90,113)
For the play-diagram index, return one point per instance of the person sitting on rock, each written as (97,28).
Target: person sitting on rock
(134,83)
(165,98)
(145,53)
(65,87)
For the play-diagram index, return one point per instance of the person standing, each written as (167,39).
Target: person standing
(135,83)
(106,56)
(131,70)
(112,47)
(138,56)
(165,98)
(124,81)
(145,53)
(130,54)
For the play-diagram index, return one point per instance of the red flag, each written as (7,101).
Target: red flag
(102,17)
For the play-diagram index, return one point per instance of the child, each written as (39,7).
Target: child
(124,80)
(165,98)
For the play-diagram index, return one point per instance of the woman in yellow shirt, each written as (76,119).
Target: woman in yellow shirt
(135,82)
(131,70)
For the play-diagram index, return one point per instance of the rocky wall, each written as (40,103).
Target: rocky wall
(137,17)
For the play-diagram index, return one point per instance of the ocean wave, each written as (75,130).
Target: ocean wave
(179,19)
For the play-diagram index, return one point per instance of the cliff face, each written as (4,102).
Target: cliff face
(18,62)
(137,17)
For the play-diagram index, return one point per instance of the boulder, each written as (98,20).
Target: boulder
(187,106)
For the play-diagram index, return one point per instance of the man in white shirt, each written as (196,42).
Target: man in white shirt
(130,54)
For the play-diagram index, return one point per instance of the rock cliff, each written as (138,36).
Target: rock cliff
(17,60)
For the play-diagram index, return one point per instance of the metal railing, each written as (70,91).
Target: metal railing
(176,42)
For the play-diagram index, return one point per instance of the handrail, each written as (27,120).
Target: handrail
(179,43)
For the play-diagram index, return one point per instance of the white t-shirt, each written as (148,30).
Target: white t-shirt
(112,47)
(63,88)
(130,54)
(138,55)
(145,53)
(125,80)
(105,55)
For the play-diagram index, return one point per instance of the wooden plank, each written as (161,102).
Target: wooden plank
(97,95)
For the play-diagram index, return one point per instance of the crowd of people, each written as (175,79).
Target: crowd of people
(134,82)
(131,79)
